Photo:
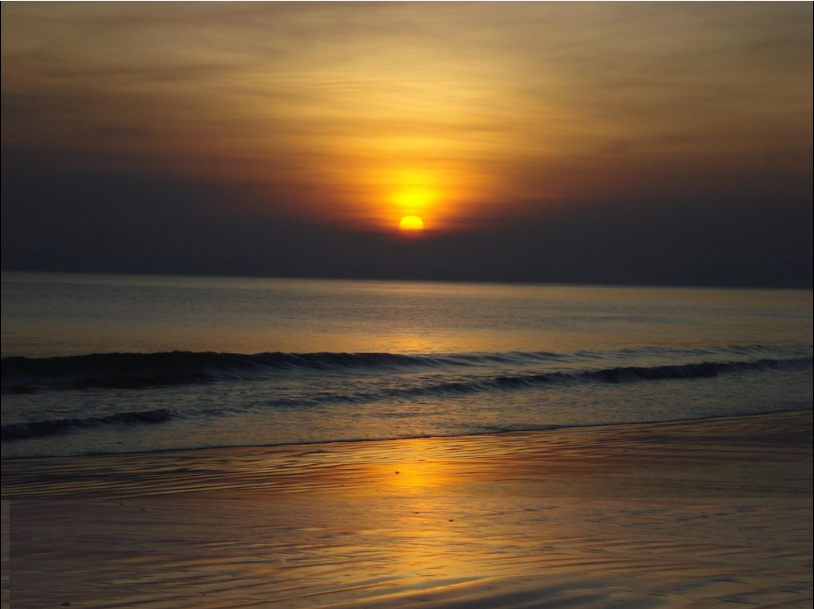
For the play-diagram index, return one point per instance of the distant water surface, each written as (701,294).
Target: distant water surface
(110,363)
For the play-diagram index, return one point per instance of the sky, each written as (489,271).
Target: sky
(612,143)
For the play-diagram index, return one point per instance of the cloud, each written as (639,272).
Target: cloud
(226,122)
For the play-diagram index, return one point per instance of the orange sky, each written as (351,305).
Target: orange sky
(362,113)
(477,117)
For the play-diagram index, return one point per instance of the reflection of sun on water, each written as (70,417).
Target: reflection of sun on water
(415,477)
(413,470)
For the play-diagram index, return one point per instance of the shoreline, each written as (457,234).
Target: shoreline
(661,515)
(543,429)
(665,444)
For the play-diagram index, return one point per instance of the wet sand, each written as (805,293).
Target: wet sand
(691,514)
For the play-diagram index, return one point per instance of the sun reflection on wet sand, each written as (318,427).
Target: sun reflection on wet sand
(641,514)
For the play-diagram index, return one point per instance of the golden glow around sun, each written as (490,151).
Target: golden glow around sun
(429,195)
(414,198)
(411,224)
(413,194)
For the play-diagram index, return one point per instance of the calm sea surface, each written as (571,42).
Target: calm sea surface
(107,363)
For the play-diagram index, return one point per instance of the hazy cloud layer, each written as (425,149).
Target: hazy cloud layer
(609,142)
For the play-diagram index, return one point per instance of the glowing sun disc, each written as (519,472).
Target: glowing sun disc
(411,223)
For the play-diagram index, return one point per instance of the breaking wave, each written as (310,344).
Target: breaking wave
(623,374)
(442,377)
(33,429)
(137,370)
(133,370)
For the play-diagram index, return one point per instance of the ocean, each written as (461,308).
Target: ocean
(95,364)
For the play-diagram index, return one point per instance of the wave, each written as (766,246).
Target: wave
(33,429)
(138,370)
(133,370)
(622,374)
(480,382)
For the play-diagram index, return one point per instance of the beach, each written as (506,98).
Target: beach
(686,514)
(407,305)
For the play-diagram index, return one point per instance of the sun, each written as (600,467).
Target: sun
(411,224)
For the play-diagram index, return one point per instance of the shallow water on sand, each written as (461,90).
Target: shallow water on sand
(694,514)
